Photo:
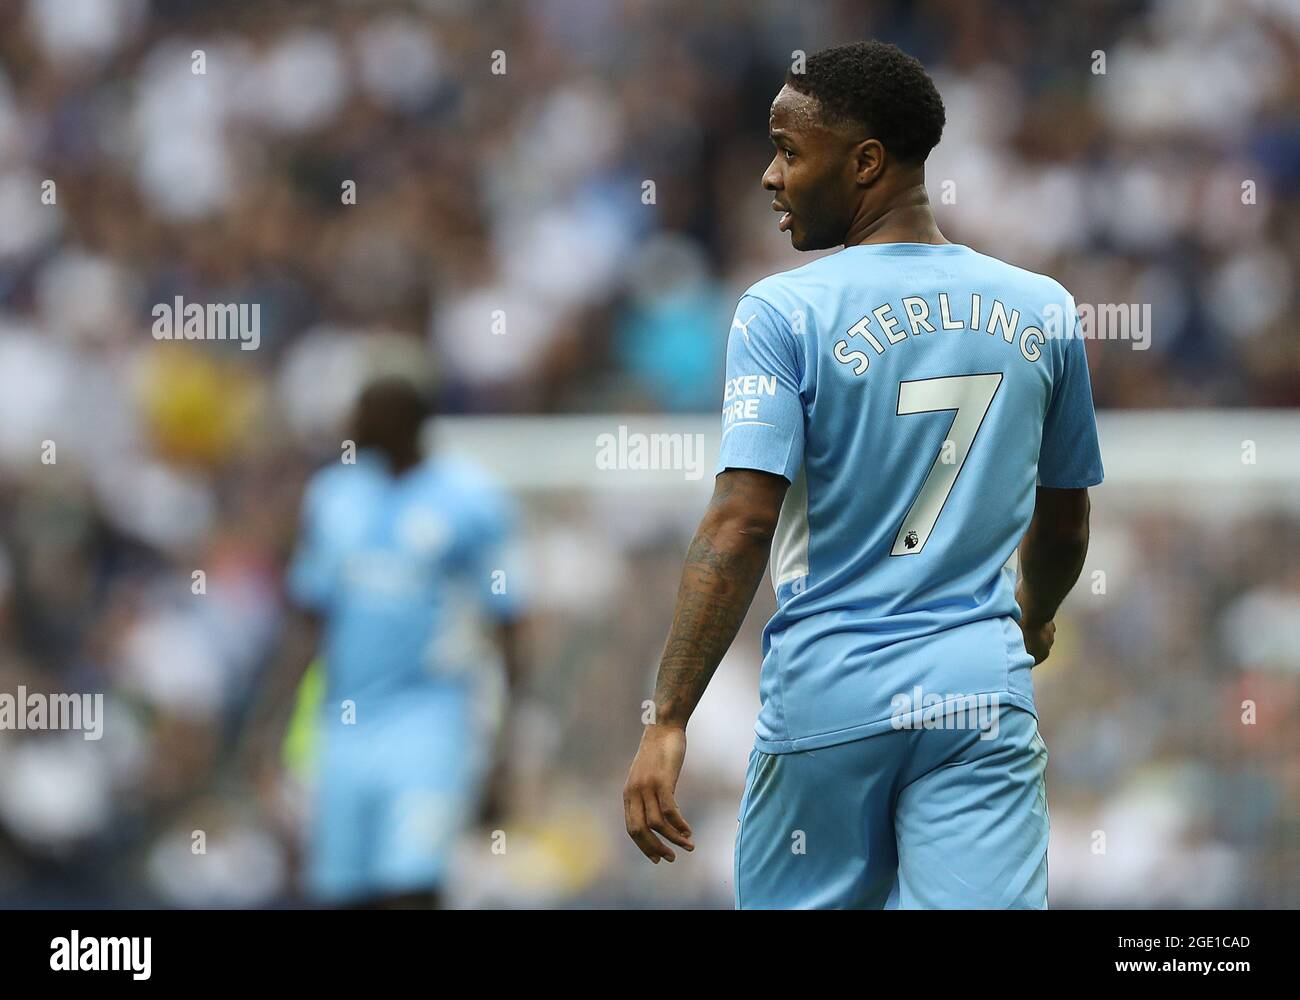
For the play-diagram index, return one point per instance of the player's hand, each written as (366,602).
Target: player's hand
(494,804)
(1039,639)
(257,766)
(648,804)
(1039,635)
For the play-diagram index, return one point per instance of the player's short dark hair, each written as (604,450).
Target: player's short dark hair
(880,87)
(398,399)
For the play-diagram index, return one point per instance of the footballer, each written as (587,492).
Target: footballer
(394,578)
(900,418)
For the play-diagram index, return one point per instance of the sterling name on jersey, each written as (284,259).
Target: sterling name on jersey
(914,396)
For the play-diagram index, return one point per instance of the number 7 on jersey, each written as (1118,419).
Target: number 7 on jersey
(970,397)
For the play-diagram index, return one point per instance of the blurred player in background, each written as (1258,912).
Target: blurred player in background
(400,571)
(899,417)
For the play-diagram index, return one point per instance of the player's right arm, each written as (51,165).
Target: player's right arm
(1069,461)
(268,717)
(309,579)
(1051,558)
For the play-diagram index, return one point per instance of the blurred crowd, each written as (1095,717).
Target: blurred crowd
(550,207)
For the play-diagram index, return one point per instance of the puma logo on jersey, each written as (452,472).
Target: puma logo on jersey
(744,327)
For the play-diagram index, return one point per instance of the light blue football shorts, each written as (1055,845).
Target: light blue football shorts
(394,792)
(912,818)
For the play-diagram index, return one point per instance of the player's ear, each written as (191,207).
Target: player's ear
(869,161)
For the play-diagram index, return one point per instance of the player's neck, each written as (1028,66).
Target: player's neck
(402,459)
(905,219)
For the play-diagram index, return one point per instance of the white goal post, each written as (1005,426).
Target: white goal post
(1195,461)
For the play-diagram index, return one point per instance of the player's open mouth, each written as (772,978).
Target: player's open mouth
(786,222)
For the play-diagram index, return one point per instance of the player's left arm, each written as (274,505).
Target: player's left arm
(509,640)
(495,564)
(724,565)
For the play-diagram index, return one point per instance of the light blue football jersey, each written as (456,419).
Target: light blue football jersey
(405,571)
(914,396)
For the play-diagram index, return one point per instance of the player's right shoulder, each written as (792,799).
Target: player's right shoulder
(326,479)
(336,481)
(1042,300)
(1037,291)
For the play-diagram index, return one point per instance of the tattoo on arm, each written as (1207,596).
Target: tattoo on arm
(724,565)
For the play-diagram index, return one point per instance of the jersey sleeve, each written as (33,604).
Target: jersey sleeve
(762,407)
(310,578)
(1070,457)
